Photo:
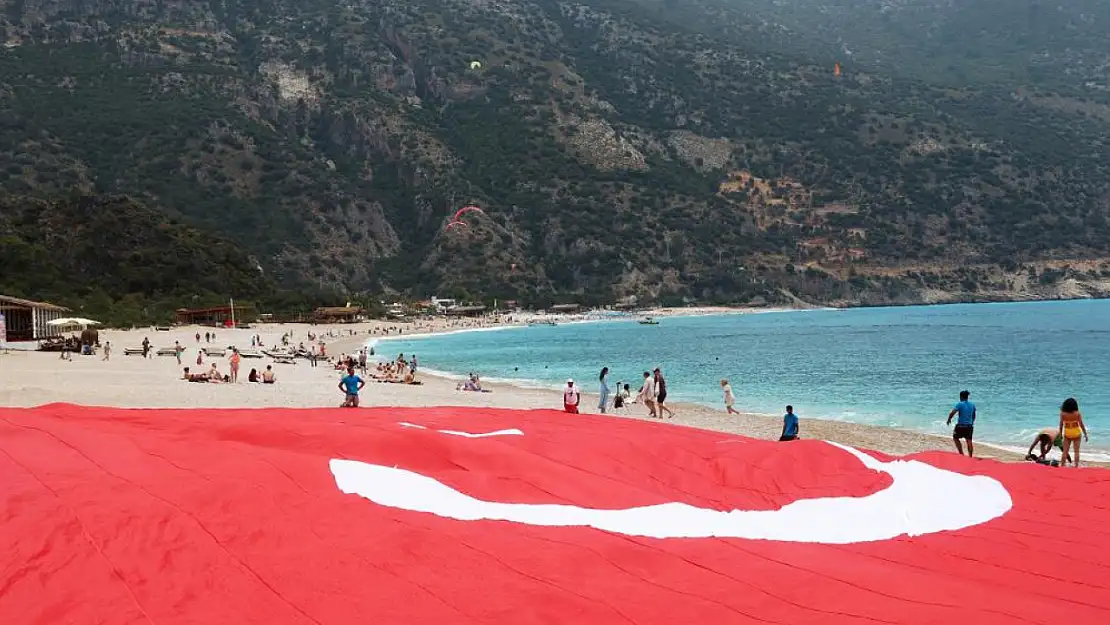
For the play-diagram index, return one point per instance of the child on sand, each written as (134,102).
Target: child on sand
(1071,425)
(790,429)
(729,399)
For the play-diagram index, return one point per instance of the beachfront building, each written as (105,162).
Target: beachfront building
(565,308)
(338,314)
(442,305)
(214,316)
(466,311)
(25,320)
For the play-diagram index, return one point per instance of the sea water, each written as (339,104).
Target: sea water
(901,367)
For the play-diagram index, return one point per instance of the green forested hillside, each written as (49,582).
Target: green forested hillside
(618,147)
(119,260)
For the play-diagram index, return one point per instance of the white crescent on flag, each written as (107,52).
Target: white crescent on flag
(922,499)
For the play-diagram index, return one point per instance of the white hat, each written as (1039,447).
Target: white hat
(569,381)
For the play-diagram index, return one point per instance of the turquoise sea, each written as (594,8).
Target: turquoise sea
(900,366)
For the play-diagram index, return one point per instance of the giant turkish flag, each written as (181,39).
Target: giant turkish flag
(451,515)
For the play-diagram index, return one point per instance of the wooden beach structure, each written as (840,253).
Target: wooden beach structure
(466,311)
(215,315)
(338,314)
(26,320)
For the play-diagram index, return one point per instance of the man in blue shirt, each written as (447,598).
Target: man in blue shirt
(351,384)
(965,423)
(789,425)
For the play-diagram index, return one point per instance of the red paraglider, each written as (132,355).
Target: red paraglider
(457,219)
(466,209)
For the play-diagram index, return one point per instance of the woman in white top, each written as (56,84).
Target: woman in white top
(647,394)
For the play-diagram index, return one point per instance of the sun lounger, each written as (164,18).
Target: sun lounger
(166,351)
(250,353)
(215,352)
(133,351)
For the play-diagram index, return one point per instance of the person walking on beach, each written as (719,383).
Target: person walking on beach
(351,384)
(1071,425)
(965,423)
(729,399)
(661,395)
(178,350)
(146,347)
(571,397)
(603,390)
(107,350)
(790,426)
(647,394)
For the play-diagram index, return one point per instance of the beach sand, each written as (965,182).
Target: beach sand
(36,378)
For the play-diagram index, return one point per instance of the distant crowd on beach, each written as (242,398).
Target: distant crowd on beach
(652,395)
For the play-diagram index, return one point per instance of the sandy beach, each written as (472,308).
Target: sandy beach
(36,378)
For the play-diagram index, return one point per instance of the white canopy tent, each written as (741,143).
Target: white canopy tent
(79,322)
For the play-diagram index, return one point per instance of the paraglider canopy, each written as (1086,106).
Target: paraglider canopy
(466,209)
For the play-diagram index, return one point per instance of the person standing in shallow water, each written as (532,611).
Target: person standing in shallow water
(603,390)
(965,423)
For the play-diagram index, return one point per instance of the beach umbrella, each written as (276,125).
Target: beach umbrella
(79,322)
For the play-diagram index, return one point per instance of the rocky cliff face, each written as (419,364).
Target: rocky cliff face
(617,147)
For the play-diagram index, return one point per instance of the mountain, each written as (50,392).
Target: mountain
(670,151)
(112,257)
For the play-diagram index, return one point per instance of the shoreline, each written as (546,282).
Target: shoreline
(38,378)
(1013,451)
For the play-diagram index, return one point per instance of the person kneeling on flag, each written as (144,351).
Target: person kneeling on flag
(571,396)
(351,384)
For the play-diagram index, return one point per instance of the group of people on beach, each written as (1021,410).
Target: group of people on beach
(1066,436)
(652,394)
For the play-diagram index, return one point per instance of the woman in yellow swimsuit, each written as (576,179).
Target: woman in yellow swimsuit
(1071,426)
